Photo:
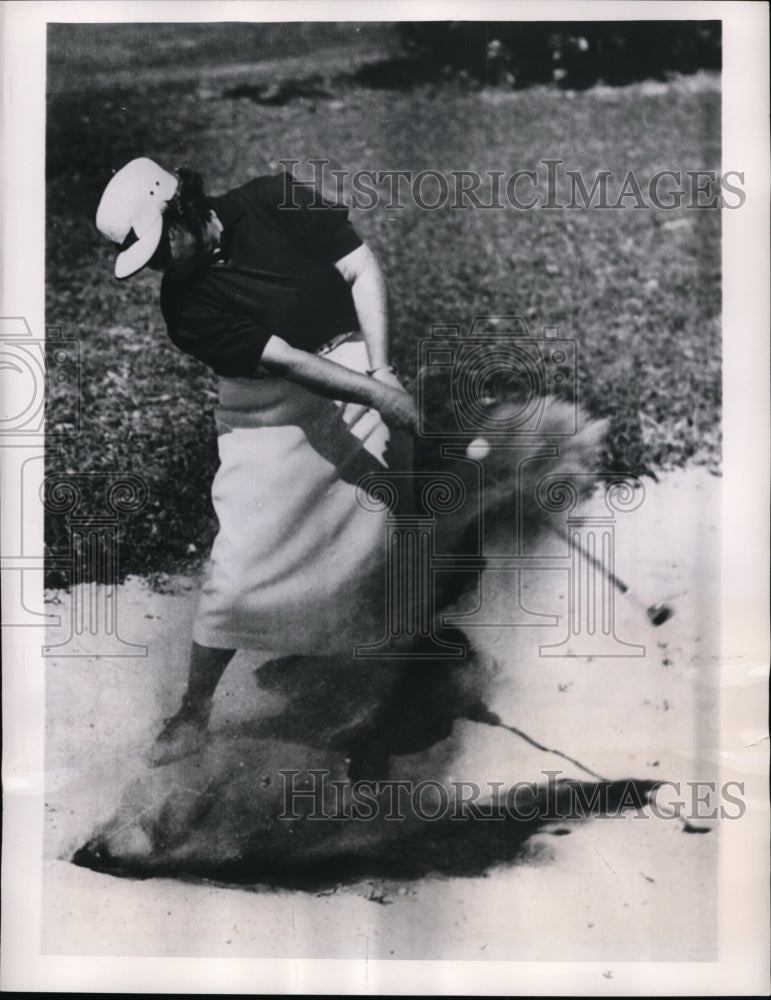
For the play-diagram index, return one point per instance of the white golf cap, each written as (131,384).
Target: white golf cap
(134,200)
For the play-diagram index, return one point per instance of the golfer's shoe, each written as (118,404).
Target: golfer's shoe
(368,759)
(182,735)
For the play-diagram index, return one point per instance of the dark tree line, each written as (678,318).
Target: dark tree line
(574,55)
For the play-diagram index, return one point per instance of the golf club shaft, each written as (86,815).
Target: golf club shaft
(617,582)
(657,614)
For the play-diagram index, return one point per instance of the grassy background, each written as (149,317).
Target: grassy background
(638,289)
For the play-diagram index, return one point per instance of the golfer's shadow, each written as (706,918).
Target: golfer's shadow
(442,836)
(275,803)
(397,840)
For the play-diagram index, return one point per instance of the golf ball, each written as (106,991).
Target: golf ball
(479,448)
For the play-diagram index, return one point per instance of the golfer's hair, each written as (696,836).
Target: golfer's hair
(190,205)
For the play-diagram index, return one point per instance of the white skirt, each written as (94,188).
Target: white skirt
(298,564)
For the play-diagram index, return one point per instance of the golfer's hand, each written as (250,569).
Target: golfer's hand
(396,407)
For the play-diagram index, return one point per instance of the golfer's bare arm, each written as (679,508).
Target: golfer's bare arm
(370,298)
(334,381)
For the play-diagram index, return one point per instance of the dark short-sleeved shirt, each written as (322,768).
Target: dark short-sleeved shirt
(277,278)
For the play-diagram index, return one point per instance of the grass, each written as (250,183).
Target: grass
(639,290)
(84,56)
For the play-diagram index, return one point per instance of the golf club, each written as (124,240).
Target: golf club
(657,614)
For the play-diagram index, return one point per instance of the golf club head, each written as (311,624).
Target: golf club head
(659,613)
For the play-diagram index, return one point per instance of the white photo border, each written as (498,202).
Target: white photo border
(743,893)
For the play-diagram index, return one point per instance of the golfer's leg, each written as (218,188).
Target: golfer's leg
(207,665)
(185,732)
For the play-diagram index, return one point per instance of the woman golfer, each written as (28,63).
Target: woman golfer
(273,289)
